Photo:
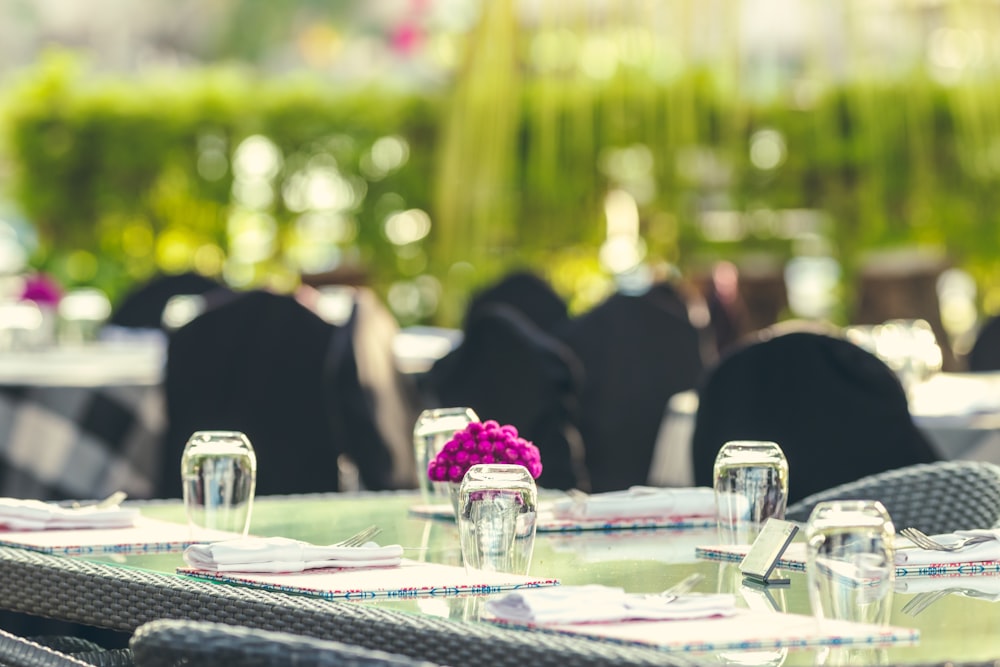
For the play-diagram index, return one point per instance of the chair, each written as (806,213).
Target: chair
(166,643)
(264,364)
(938,497)
(509,370)
(143,306)
(985,352)
(392,401)
(526,292)
(837,411)
(18,651)
(637,351)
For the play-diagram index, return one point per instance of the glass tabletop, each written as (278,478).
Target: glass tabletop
(956,627)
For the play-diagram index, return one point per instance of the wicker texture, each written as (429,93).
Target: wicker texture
(124,599)
(86,650)
(935,497)
(19,652)
(169,643)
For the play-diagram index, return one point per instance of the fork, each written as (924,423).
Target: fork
(921,601)
(924,541)
(680,588)
(114,499)
(359,538)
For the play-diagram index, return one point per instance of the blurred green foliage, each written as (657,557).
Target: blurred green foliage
(124,176)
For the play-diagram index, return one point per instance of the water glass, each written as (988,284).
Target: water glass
(751,486)
(82,313)
(849,562)
(219,471)
(434,428)
(497,511)
(22,326)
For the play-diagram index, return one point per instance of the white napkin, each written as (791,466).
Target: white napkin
(640,501)
(281,554)
(555,605)
(21,514)
(977,552)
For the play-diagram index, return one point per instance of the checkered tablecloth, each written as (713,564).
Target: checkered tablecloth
(81,421)
(79,442)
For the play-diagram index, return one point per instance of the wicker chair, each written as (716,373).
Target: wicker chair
(17,651)
(166,643)
(938,497)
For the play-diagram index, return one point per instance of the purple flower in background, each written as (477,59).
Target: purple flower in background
(483,442)
(41,289)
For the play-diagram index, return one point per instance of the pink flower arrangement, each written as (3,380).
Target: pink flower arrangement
(41,289)
(483,442)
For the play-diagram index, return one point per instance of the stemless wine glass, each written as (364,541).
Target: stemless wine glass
(497,510)
(219,471)
(433,429)
(849,562)
(751,486)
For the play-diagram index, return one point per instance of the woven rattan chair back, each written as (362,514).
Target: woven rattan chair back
(17,651)
(935,497)
(166,643)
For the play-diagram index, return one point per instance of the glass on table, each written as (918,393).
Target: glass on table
(433,429)
(751,485)
(219,474)
(82,313)
(908,347)
(497,512)
(22,326)
(850,561)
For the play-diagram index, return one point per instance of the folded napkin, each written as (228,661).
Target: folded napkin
(281,554)
(20,514)
(557,605)
(639,501)
(983,551)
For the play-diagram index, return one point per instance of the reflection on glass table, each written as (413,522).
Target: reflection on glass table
(957,627)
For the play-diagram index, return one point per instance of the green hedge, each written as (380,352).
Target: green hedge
(117,174)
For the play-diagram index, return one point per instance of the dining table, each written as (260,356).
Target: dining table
(86,419)
(81,419)
(123,589)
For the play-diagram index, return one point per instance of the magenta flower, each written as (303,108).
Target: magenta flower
(41,289)
(483,442)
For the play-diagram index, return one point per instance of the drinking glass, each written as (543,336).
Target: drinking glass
(849,561)
(219,471)
(497,509)
(751,486)
(82,313)
(22,326)
(433,429)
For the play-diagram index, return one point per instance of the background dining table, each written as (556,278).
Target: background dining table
(81,420)
(960,626)
(84,420)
